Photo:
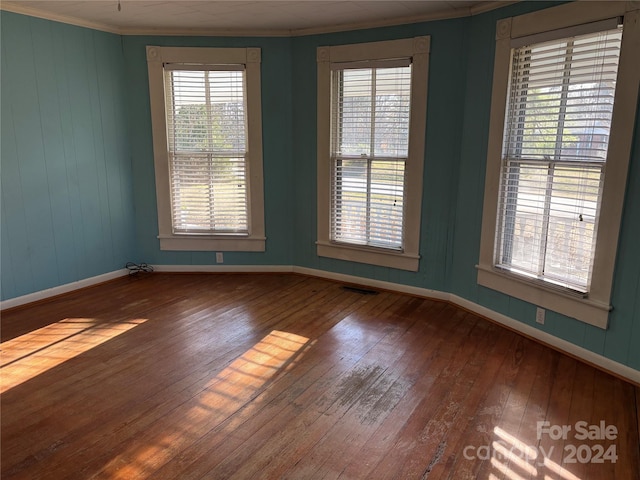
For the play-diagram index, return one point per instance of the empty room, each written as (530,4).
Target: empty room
(320,239)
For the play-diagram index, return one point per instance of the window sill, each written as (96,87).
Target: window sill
(205,243)
(586,310)
(371,256)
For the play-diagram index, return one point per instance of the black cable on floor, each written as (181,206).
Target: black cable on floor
(135,268)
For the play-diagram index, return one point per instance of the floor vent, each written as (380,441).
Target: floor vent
(361,291)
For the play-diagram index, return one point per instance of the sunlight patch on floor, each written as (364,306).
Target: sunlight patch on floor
(33,353)
(224,395)
(558,470)
(514,458)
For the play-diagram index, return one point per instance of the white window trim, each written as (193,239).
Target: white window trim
(593,308)
(418,49)
(250,57)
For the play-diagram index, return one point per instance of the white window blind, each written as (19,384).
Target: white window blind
(207,132)
(369,148)
(556,136)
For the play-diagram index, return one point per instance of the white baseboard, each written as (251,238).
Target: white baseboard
(587,356)
(571,349)
(220,268)
(59,290)
(552,341)
(368,282)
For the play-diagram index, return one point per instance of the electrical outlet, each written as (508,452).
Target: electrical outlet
(219,257)
(540,316)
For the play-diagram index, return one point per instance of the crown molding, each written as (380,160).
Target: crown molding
(15,7)
(390,22)
(34,12)
(488,6)
(203,32)
(633,5)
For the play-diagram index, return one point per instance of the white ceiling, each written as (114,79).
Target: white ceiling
(241,17)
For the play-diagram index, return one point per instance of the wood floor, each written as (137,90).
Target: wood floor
(285,376)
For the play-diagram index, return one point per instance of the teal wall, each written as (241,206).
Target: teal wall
(67,206)
(460,78)
(445,110)
(277,160)
(621,341)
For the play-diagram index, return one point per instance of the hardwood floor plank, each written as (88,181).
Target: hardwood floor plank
(582,410)
(238,384)
(627,443)
(506,461)
(340,443)
(285,376)
(453,442)
(535,411)
(322,406)
(147,378)
(265,420)
(309,372)
(424,369)
(171,395)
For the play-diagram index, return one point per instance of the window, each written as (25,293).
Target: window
(557,159)
(369,139)
(371,127)
(205,105)
(560,95)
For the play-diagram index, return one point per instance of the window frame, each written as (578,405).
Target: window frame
(417,49)
(566,20)
(255,240)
